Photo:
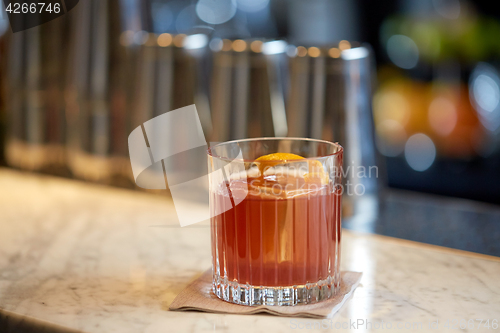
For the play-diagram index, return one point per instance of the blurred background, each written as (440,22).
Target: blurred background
(412,86)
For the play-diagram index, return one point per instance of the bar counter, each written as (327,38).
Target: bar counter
(83,257)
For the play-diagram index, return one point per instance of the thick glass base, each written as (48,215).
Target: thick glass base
(245,294)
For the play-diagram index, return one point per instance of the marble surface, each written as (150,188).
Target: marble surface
(75,256)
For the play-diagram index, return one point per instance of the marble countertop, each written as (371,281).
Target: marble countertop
(81,257)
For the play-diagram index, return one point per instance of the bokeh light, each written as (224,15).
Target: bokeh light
(274,47)
(196,41)
(215,11)
(256,46)
(484,93)
(355,53)
(301,51)
(391,105)
(420,152)
(141,37)
(179,40)
(334,52)
(442,116)
(239,45)
(391,137)
(251,6)
(164,40)
(216,44)
(314,52)
(344,45)
(402,51)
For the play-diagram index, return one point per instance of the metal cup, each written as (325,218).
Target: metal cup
(36,121)
(247,91)
(171,73)
(97,96)
(330,99)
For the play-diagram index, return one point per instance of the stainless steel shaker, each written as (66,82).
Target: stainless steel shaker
(98,90)
(247,89)
(171,73)
(330,99)
(36,122)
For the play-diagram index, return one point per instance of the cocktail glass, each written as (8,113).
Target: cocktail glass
(275,220)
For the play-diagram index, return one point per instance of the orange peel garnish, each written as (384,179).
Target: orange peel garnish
(316,170)
(279,158)
(322,176)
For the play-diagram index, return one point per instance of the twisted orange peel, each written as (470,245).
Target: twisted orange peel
(280,158)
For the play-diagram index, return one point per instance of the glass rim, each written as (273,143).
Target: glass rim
(340,149)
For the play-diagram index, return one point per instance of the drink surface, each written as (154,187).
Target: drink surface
(279,229)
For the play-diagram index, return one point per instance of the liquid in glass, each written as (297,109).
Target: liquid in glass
(277,238)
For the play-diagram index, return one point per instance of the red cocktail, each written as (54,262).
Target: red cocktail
(276,221)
